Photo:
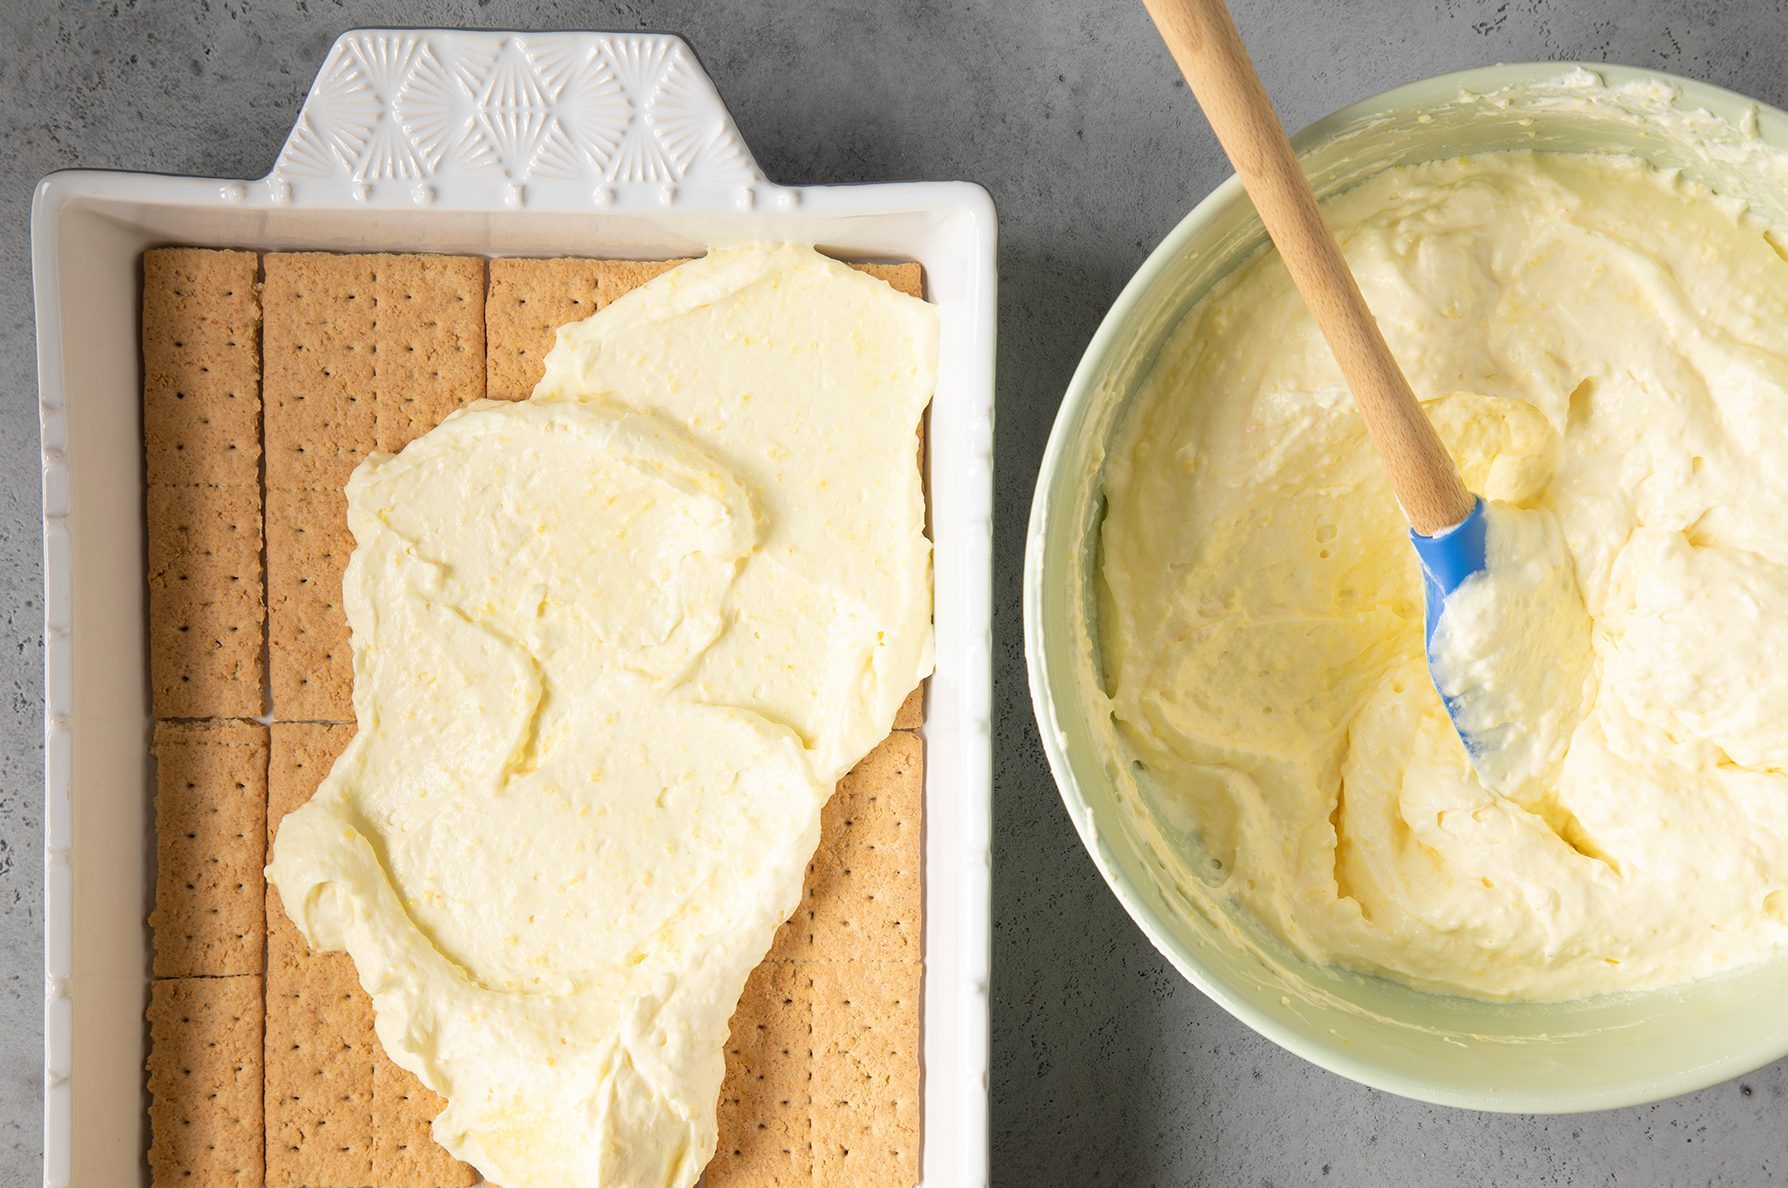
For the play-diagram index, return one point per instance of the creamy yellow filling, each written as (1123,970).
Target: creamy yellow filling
(1605,350)
(613,646)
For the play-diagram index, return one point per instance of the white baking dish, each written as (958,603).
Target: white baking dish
(534,144)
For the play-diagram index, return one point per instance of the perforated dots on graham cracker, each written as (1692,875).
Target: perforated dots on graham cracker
(764,1116)
(863,896)
(310,661)
(206,601)
(405,1154)
(865,1088)
(205,1082)
(201,367)
(321,418)
(530,299)
(362,352)
(431,351)
(840,985)
(201,331)
(319,1062)
(210,829)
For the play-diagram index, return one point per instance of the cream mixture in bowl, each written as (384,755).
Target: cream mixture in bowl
(1604,349)
(1582,277)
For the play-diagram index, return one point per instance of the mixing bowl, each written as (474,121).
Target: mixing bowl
(1591,1054)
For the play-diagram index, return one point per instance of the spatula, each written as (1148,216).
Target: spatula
(1446,521)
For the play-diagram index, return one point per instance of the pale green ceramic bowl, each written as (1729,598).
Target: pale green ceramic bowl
(1593,1054)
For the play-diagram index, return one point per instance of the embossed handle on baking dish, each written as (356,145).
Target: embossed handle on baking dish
(563,121)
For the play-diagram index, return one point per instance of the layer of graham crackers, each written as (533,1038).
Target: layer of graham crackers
(365,352)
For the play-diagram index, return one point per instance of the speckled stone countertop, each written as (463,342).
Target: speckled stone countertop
(1107,1068)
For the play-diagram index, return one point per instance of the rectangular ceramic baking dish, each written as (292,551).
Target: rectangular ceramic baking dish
(490,143)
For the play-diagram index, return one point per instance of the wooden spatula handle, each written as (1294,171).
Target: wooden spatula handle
(1210,54)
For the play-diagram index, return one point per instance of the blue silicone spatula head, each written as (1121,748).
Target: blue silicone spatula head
(1448,558)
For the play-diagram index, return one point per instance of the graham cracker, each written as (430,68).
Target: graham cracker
(205,1082)
(405,1153)
(362,352)
(201,368)
(848,1008)
(911,714)
(907,277)
(319,1063)
(530,299)
(865,1086)
(299,756)
(764,1114)
(210,846)
(308,545)
(201,339)
(863,897)
(837,999)
(320,1042)
(206,601)
(338,1110)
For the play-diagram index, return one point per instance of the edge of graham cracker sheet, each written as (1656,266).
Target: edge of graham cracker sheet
(266,379)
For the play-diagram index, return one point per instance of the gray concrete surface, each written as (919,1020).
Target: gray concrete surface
(1107,1068)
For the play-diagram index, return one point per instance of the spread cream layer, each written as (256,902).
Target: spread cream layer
(613,645)
(1604,348)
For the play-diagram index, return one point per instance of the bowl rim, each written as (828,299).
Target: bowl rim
(1045,679)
